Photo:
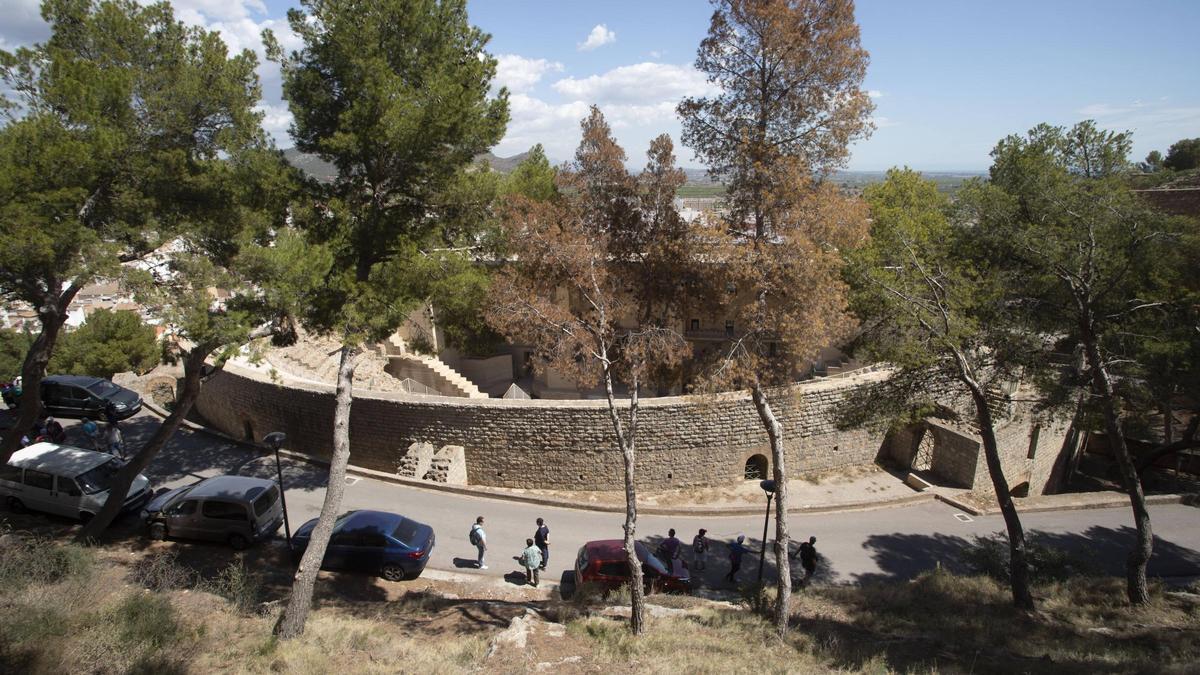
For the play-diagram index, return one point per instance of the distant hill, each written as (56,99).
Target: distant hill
(324,171)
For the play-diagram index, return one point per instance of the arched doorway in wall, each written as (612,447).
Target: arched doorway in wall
(923,457)
(756,467)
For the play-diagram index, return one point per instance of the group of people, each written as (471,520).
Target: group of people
(533,558)
(536,554)
(109,439)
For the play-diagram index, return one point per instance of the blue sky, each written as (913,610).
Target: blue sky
(948,78)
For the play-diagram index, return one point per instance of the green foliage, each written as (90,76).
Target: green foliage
(1183,155)
(240,586)
(534,177)
(1082,150)
(36,560)
(395,95)
(108,342)
(1154,162)
(147,620)
(13,346)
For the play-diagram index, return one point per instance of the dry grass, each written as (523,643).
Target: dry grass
(86,612)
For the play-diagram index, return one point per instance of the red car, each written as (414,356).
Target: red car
(603,562)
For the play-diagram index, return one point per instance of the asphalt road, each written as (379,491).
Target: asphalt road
(890,543)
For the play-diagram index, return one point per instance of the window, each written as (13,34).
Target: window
(266,500)
(756,467)
(38,479)
(695,324)
(184,508)
(102,388)
(68,487)
(406,532)
(224,511)
(10,473)
(100,478)
(373,540)
(1033,441)
(729,327)
(614,569)
(345,539)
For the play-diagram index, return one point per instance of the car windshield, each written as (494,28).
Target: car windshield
(406,532)
(103,388)
(100,478)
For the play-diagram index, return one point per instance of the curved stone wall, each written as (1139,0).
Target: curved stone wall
(682,441)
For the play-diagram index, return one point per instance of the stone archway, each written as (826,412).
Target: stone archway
(756,467)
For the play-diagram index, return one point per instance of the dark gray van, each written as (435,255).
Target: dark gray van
(234,509)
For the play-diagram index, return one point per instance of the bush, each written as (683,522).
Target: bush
(147,619)
(37,560)
(162,572)
(108,342)
(990,556)
(238,585)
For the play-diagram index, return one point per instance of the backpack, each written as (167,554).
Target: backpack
(474,536)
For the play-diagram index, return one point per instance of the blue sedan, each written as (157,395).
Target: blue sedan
(386,544)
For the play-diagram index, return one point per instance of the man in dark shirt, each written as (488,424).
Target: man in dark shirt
(808,558)
(542,539)
(668,550)
(736,550)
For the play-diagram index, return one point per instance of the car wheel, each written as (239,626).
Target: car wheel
(16,505)
(393,572)
(85,517)
(238,542)
(158,531)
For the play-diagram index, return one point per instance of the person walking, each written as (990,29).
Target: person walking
(699,550)
(808,559)
(479,538)
(114,442)
(736,551)
(110,413)
(91,431)
(542,539)
(531,560)
(668,550)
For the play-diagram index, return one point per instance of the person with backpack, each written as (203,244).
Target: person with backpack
(91,431)
(699,550)
(531,560)
(478,538)
(542,538)
(114,442)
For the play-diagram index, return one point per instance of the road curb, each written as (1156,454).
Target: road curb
(700,511)
(1118,500)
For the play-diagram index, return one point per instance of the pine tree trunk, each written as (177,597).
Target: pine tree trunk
(782,539)
(193,368)
(291,624)
(52,316)
(1018,558)
(637,601)
(1139,555)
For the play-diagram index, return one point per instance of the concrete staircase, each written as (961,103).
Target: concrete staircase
(427,370)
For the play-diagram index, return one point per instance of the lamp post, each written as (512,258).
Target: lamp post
(276,439)
(768,487)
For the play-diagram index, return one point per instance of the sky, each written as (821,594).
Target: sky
(948,78)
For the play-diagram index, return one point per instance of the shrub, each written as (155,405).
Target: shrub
(990,556)
(37,560)
(147,619)
(237,585)
(162,572)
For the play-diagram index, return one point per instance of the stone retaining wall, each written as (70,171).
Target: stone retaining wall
(683,441)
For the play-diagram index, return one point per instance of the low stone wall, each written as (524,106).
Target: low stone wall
(682,441)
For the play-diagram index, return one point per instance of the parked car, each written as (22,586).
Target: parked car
(65,480)
(387,544)
(83,396)
(603,563)
(234,509)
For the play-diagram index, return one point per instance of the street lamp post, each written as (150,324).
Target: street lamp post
(276,439)
(768,486)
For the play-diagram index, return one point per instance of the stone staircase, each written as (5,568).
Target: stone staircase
(403,363)
(317,358)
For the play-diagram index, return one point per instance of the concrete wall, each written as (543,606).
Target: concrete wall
(549,444)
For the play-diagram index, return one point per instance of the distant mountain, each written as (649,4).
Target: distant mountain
(324,171)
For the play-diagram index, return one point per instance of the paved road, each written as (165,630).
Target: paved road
(894,543)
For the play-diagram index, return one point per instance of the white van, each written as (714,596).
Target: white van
(65,481)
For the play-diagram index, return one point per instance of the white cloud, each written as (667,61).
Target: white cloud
(599,37)
(521,74)
(22,25)
(276,120)
(1155,125)
(637,84)
(875,93)
(884,122)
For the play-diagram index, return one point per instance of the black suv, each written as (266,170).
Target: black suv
(83,396)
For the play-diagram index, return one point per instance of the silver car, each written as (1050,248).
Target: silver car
(238,510)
